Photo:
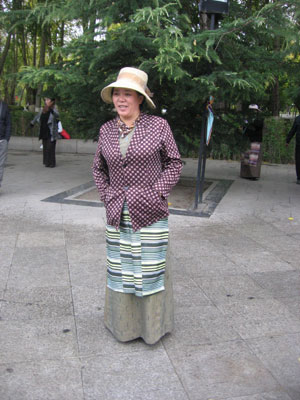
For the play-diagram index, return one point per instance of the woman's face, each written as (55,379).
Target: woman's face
(127,103)
(49,102)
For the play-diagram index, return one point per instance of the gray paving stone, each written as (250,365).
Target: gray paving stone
(185,289)
(260,317)
(44,223)
(293,304)
(40,209)
(51,380)
(9,224)
(247,248)
(236,242)
(221,371)
(39,256)
(7,247)
(95,339)
(4,273)
(290,257)
(36,303)
(33,276)
(210,266)
(281,355)
(259,261)
(92,253)
(278,395)
(280,284)
(36,340)
(89,219)
(276,242)
(89,274)
(88,299)
(229,289)
(200,325)
(78,236)
(46,238)
(197,247)
(132,373)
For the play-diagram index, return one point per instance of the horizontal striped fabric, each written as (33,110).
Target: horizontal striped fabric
(136,259)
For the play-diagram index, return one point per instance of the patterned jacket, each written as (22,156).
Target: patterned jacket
(144,177)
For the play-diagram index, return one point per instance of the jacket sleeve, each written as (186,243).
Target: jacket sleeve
(171,163)
(36,118)
(292,131)
(100,171)
(55,113)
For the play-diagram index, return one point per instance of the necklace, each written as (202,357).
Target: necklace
(124,130)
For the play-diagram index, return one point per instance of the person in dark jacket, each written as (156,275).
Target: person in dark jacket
(295,130)
(5,132)
(48,121)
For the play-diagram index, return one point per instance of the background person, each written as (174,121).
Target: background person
(295,130)
(135,167)
(252,158)
(48,120)
(5,132)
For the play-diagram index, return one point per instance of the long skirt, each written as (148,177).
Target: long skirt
(49,159)
(129,316)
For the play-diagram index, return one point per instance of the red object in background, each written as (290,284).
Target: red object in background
(65,134)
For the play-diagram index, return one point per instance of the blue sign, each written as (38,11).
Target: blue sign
(210,119)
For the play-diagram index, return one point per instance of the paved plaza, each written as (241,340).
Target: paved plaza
(236,285)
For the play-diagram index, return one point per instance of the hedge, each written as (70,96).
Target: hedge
(227,141)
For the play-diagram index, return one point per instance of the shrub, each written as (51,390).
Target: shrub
(274,148)
(227,141)
(20,120)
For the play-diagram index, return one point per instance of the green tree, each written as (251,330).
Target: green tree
(251,57)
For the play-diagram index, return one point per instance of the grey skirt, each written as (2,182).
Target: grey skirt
(129,317)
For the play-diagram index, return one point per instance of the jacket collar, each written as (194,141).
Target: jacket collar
(140,132)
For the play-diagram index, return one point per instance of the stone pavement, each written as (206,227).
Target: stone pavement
(236,283)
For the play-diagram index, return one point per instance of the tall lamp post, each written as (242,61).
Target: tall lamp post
(213,8)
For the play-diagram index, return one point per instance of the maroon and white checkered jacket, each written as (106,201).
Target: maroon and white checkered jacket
(144,177)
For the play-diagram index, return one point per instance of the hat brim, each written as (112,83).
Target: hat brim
(106,93)
(254,108)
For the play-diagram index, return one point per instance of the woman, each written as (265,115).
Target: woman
(135,167)
(48,121)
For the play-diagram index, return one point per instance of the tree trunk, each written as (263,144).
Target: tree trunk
(61,39)
(275,99)
(41,64)
(23,46)
(5,52)
(13,82)
(275,92)
(31,92)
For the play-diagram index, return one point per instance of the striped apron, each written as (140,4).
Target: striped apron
(136,260)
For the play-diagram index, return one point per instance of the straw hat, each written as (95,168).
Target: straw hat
(129,78)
